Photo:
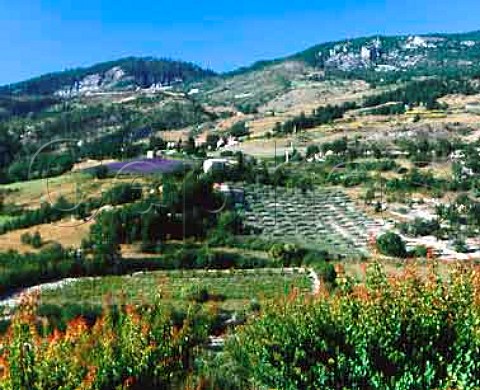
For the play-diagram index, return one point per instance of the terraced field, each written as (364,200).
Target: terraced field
(230,289)
(323,218)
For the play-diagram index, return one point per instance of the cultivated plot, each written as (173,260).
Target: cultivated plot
(230,289)
(323,218)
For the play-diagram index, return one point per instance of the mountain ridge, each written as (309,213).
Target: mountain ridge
(136,72)
(376,59)
(343,55)
(310,55)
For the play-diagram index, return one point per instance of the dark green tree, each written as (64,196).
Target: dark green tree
(391,244)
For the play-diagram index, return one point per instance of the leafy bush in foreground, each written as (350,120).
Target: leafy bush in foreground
(128,349)
(403,332)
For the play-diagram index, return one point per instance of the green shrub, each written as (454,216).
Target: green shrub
(420,251)
(287,254)
(391,244)
(327,274)
(199,295)
(460,246)
(101,172)
(404,332)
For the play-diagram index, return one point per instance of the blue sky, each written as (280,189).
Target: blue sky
(40,36)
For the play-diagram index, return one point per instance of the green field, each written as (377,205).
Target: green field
(39,184)
(232,289)
(31,193)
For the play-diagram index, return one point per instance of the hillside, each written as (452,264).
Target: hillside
(122,74)
(110,103)
(391,57)
(379,60)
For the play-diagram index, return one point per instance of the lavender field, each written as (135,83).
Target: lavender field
(146,166)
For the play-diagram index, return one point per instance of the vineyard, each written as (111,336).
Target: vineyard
(231,289)
(324,218)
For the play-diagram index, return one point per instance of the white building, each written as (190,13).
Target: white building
(365,53)
(216,164)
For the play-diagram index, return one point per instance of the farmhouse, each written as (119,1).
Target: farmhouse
(216,164)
